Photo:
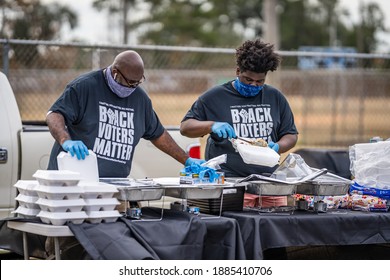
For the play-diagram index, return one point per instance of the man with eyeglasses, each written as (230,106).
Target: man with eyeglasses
(245,107)
(107,112)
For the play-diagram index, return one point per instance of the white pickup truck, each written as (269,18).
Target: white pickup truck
(26,148)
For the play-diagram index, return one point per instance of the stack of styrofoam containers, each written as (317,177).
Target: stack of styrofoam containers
(60,198)
(27,198)
(100,201)
(63,198)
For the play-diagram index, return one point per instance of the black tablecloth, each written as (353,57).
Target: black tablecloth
(179,235)
(12,240)
(262,231)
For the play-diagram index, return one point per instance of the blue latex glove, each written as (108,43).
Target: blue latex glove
(191,161)
(274,146)
(223,129)
(193,165)
(77,148)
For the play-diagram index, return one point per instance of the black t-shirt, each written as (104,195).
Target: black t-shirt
(107,124)
(267,115)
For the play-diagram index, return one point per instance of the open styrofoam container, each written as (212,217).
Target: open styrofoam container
(65,205)
(88,168)
(57,177)
(26,212)
(263,156)
(59,193)
(27,187)
(97,190)
(100,204)
(61,218)
(103,216)
(27,201)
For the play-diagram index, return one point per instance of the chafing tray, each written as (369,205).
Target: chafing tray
(135,190)
(261,187)
(328,184)
(268,188)
(195,191)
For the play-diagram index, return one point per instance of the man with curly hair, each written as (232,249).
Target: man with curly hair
(245,107)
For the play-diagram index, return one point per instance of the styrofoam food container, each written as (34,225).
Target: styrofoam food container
(61,218)
(57,177)
(64,205)
(27,201)
(100,204)
(263,156)
(26,212)
(88,167)
(27,187)
(58,193)
(103,216)
(97,190)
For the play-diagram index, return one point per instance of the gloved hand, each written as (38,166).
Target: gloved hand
(191,161)
(76,147)
(223,129)
(274,146)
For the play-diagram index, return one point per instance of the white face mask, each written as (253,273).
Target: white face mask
(116,87)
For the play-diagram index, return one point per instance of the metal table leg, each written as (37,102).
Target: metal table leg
(25,246)
(57,248)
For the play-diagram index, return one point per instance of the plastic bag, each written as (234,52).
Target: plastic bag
(215,162)
(292,166)
(370,164)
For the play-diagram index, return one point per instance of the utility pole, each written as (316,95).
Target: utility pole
(271,34)
(271,31)
(125,10)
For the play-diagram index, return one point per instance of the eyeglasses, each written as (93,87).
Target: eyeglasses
(129,83)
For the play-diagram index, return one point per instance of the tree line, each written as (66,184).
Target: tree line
(204,23)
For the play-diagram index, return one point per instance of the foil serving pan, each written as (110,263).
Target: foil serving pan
(139,193)
(324,186)
(135,190)
(271,189)
(195,191)
(260,187)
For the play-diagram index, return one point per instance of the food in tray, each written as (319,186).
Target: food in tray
(260,142)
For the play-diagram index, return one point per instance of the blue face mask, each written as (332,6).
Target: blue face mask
(116,87)
(247,90)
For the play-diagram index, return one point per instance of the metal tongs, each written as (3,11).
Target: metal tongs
(308,177)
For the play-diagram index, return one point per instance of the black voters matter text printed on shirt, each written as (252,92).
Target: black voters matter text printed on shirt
(252,121)
(116,133)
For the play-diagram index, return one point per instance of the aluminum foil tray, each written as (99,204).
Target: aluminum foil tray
(139,194)
(135,190)
(57,177)
(269,188)
(195,191)
(325,185)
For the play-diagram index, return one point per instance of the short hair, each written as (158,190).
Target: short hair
(257,56)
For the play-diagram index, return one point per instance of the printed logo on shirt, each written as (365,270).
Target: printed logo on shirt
(252,121)
(115,134)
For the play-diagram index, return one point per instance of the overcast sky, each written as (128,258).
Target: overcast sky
(94,27)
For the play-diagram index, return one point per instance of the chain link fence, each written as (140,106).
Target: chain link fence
(335,104)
